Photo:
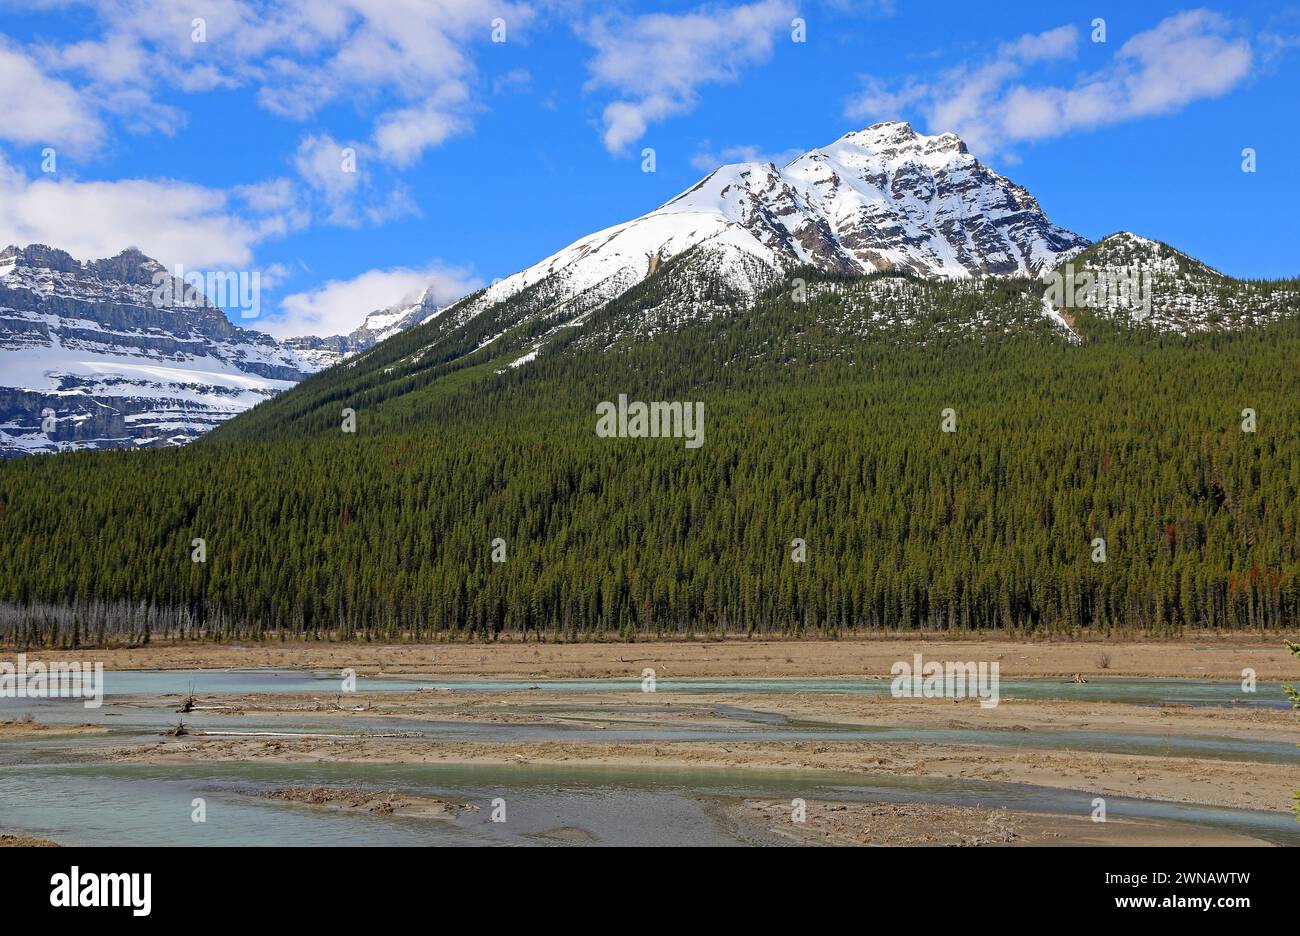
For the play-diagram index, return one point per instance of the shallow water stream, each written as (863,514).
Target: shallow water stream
(108,804)
(55,787)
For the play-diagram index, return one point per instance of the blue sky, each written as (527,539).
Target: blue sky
(489,135)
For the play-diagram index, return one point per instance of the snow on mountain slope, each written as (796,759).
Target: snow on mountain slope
(897,200)
(377,326)
(88,360)
(884,198)
(1132,278)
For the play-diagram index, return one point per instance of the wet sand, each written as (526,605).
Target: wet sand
(612,709)
(378,803)
(1243,784)
(835,823)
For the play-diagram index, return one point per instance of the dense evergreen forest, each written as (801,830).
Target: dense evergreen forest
(821,425)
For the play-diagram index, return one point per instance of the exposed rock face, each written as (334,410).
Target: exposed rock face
(883,198)
(893,199)
(90,359)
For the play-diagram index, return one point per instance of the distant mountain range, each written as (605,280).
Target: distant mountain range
(377,326)
(85,344)
(90,359)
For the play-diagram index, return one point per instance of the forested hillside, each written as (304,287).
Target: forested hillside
(822,423)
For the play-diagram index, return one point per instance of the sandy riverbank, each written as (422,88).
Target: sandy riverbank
(25,841)
(1202,656)
(926,824)
(1011,757)
(1199,780)
(27,729)
(833,823)
(613,709)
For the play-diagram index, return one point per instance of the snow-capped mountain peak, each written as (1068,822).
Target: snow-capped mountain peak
(899,200)
(878,199)
(890,144)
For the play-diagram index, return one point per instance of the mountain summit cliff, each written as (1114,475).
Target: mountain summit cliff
(881,199)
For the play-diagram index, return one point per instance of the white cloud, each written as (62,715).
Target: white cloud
(42,109)
(877,100)
(336,173)
(274,276)
(298,58)
(402,136)
(1187,57)
(706,160)
(174,222)
(1059,43)
(278,204)
(516,80)
(332,169)
(340,306)
(118,59)
(139,113)
(656,62)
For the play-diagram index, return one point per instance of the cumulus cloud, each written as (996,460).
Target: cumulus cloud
(1190,56)
(331,169)
(1059,43)
(41,109)
(402,136)
(175,222)
(296,58)
(657,62)
(277,204)
(340,306)
(335,173)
